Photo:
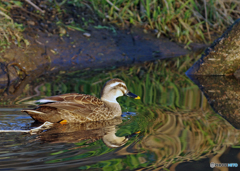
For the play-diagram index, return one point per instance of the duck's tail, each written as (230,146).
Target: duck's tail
(36,115)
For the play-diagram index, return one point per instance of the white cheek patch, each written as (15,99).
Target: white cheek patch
(119,93)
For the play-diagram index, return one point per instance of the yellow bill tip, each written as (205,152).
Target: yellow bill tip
(138,132)
(138,97)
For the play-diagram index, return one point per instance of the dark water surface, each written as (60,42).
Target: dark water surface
(178,128)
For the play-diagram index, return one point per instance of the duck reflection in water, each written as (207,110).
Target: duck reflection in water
(89,131)
(98,117)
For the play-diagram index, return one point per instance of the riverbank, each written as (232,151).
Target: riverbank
(43,37)
(51,54)
(180,20)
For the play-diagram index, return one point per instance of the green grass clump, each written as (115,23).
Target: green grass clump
(185,21)
(9,30)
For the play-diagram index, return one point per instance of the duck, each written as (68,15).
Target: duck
(81,108)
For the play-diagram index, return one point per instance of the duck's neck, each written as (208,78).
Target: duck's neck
(109,100)
(113,105)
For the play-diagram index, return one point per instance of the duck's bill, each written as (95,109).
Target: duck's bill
(129,94)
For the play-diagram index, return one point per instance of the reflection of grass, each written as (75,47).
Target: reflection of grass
(171,137)
(184,136)
(175,125)
(131,162)
(162,83)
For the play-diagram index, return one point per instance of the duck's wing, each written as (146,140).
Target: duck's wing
(76,103)
(58,98)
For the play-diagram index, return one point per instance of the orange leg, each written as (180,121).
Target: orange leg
(63,122)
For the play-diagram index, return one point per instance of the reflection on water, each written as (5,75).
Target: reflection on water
(91,131)
(177,126)
(187,136)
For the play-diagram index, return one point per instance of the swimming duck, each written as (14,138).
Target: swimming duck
(79,108)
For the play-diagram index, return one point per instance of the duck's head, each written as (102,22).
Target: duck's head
(110,138)
(115,88)
(112,141)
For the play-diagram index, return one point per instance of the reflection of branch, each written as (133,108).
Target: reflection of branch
(35,6)
(46,125)
(27,98)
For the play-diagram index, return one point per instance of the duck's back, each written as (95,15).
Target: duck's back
(71,107)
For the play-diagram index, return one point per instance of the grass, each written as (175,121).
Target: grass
(10,32)
(184,21)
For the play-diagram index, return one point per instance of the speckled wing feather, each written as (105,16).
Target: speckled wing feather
(71,107)
(75,97)
(76,103)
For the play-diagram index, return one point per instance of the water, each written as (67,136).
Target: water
(172,126)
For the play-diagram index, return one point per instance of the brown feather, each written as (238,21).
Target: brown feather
(72,107)
(61,97)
